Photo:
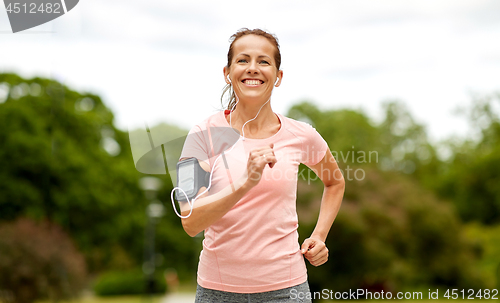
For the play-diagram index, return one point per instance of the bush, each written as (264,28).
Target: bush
(38,260)
(131,282)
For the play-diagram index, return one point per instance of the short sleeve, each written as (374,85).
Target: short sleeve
(206,141)
(196,145)
(314,147)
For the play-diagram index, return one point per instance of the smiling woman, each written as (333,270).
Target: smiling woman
(255,33)
(248,209)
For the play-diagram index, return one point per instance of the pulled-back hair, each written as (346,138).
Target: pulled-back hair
(240,33)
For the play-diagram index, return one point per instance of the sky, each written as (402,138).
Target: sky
(161,61)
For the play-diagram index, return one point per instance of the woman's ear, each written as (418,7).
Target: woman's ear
(226,75)
(279,78)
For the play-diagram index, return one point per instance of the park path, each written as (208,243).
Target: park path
(179,298)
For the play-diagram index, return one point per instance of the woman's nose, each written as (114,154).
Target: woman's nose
(252,67)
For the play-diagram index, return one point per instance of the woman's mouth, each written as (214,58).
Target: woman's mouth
(252,82)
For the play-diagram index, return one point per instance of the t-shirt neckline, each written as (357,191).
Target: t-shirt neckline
(279,116)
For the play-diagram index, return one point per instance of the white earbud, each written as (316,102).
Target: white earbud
(277,81)
(227,77)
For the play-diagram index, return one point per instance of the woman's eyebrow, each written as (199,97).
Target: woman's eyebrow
(261,56)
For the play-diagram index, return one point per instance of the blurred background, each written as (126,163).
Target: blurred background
(405,93)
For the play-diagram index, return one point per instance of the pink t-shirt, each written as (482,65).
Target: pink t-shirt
(254,247)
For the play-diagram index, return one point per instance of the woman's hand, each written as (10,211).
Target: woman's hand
(257,160)
(315,251)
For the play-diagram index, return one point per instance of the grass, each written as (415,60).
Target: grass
(118,299)
(488,237)
(90,298)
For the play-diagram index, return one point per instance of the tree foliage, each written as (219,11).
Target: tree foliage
(472,174)
(63,160)
(391,233)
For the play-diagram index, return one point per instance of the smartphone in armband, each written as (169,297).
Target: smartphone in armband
(190,178)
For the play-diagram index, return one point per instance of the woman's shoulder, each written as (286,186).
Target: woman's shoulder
(296,126)
(217,119)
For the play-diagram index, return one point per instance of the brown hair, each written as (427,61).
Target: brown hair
(240,33)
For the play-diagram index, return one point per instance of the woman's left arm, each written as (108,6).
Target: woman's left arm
(314,248)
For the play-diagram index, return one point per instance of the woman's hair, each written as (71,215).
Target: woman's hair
(240,33)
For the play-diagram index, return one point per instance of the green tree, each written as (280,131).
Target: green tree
(405,146)
(473,170)
(391,233)
(64,160)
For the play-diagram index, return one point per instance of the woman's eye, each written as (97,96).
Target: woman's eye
(242,61)
(264,62)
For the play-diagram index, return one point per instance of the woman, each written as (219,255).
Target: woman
(251,251)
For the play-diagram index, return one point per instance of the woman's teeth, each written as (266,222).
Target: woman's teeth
(252,82)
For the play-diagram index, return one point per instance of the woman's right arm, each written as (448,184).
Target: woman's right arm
(208,209)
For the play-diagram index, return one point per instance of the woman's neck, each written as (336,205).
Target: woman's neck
(265,124)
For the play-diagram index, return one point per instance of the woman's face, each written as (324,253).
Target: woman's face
(253,71)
